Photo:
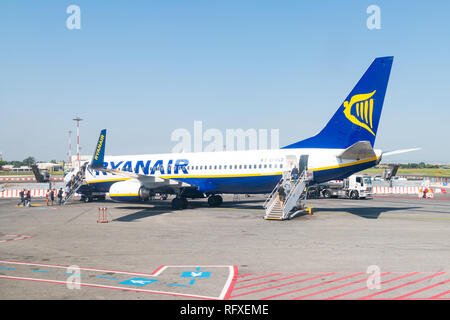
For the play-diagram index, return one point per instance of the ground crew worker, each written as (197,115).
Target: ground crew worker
(47,194)
(52,196)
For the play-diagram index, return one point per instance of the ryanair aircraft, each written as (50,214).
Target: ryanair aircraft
(343,147)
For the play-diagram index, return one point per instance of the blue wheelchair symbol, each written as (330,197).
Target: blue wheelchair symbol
(196,274)
(140,282)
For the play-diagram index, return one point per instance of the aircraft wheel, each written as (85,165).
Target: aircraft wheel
(176,204)
(184,203)
(215,200)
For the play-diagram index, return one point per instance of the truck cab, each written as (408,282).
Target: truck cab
(358,186)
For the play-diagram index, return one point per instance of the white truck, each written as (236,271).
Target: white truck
(354,187)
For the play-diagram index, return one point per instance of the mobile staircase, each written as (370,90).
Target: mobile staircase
(295,200)
(75,183)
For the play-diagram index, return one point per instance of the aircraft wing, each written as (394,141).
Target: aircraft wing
(148,181)
(391,153)
(357,151)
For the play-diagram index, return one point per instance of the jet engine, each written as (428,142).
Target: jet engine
(129,190)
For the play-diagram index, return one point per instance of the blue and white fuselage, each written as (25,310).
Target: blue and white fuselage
(344,146)
(254,171)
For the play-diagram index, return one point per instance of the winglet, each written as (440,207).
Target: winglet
(99,153)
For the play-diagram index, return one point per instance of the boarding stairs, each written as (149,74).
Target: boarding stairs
(294,200)
(77,181)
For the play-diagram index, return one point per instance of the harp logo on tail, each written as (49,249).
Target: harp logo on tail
(364,110)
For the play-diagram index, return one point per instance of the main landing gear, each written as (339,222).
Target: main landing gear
(179,203)
(215,200)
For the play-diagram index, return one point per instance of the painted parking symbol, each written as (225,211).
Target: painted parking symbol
(140,282)
(196,274)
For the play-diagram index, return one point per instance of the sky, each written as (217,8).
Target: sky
(143,69)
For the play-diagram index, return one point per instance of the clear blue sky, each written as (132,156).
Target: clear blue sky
(142,69)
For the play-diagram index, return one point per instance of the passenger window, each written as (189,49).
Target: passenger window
(245,166)
(220,167)
(215,167)
(260,166)
(240,166)
(235,166)
(225,166)
(281,165)
(270,166)
(265,166)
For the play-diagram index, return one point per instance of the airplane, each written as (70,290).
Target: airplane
(343,147)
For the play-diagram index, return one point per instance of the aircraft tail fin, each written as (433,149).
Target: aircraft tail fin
(358,117)
(99,153)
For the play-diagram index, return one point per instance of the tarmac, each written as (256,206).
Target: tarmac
(388,247)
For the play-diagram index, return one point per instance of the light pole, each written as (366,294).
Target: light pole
(78,119)
(70,148)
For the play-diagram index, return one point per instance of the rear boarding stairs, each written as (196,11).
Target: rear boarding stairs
(295,201)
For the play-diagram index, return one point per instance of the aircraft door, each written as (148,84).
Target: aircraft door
(303,163)
(291,162)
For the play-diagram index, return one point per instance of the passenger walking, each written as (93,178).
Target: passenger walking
(281,195)
(294,174)
(287,187)
(28,198)
(60,195)
(22,198)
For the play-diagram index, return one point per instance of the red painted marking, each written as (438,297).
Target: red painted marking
(270,281)
(245,275)
(231,287)
(17,237)
(340,286)
(440,295)
(284,284)
(423,289)
(89,269)
(107,287)
(157,269)
(401,286)
(361,289)
(270,275)
(313,286)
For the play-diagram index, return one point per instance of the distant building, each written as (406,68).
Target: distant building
(10,167)
(49,166)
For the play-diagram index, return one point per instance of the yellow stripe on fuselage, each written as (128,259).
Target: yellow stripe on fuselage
(108,180)
(346,164)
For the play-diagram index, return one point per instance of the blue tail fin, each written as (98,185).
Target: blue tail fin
(99,153)
(358,117)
